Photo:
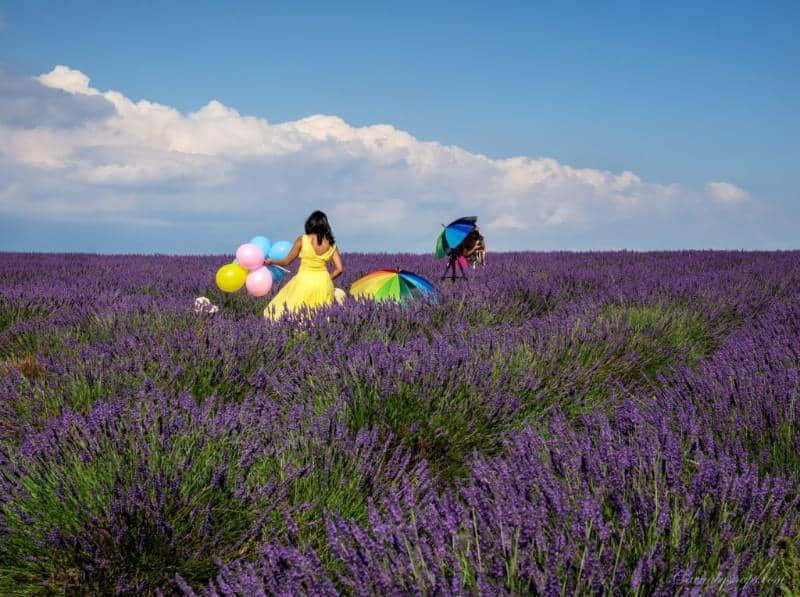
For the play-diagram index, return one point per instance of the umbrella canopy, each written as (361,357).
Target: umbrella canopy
(451,237)
(393,284)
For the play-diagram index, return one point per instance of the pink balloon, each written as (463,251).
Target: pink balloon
(250,256)
(259,282)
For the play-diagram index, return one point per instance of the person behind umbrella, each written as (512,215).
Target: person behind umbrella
(471,246)
(312,287)
(479,250)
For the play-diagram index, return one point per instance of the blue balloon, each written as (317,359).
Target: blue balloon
(280,249)
(262,242)
(277,273)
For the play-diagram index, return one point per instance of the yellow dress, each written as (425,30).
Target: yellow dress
(311,287)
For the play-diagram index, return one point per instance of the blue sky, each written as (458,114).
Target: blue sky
(683,94)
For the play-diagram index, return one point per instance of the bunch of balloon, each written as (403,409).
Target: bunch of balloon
(248,268)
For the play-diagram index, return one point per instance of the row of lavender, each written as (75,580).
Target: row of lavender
(604,422)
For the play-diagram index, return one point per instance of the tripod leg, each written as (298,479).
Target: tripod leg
(446,267)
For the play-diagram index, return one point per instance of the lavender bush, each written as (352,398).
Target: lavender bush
(559,424)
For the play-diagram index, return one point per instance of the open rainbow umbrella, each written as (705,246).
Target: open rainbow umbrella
(453,235)
(393,284)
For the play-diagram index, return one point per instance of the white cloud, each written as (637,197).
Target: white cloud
(725,192)
(506,222)
(147,161)
(67,79)
(369,214)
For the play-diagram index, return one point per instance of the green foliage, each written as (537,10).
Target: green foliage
(622,346)
(442,428)
(150,543)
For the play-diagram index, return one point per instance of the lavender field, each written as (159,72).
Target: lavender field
(560,424)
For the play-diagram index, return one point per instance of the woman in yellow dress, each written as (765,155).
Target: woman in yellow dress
(312,286)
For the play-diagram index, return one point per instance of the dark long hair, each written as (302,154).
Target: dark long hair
(317,223)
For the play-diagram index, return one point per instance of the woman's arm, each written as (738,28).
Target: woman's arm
(295,251)
(338,266)
(470,251)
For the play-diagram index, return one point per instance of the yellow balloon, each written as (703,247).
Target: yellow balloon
(231,277)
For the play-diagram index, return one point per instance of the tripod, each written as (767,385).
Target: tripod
(452,261)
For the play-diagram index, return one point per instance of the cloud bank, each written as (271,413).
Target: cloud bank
(78,162)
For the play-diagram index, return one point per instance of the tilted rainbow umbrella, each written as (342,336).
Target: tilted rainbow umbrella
(452,235)
(394,285)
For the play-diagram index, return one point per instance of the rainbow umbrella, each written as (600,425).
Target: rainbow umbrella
(451,237)
(393,284)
